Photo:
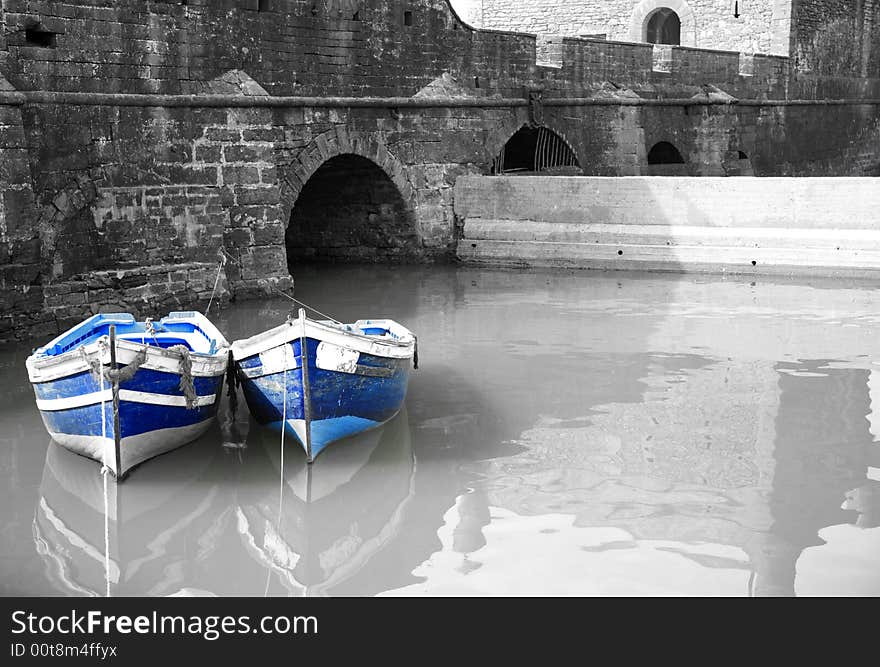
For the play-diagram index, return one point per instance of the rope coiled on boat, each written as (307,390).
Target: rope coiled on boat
(118,375)
(186,378)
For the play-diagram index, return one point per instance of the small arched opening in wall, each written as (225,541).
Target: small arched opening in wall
(663,22)
(663,27)
(741,165)
(536,150)
(350,209)
(664,159)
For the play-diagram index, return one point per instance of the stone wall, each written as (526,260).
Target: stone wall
(470,11)
(762,26)
(302,47)
(838,37)
(147,145)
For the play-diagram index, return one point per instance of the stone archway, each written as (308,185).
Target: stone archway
(538,149)
(346,197)
(502,134)
(643,10)
(664,159)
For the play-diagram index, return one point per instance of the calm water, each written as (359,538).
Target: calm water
(567,433)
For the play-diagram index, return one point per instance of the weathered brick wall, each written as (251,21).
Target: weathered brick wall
(838,37)
(302,47)
(705,23)
(126,203)
(152,192)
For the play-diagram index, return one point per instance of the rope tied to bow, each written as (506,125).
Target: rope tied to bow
(186,384)
(96,368)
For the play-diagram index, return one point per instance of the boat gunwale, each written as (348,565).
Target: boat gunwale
(291,330)
(48,368)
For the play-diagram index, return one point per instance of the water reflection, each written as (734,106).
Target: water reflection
(156,536)
(317,525)
(764,489)
(566,433)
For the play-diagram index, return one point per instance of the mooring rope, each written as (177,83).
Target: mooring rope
(285,294)
(104,471)
(283,429)
(96,366)
(281,480)
(186,385)
(150,328)
(305,305)
(220,264)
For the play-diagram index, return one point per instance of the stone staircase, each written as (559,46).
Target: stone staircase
(746,225)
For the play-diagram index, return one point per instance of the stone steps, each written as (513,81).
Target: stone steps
(664,235)
(842,253)
(789,226)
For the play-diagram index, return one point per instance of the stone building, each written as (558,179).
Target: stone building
(140,140)
(753,26)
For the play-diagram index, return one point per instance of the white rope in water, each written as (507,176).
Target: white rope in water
(104,471)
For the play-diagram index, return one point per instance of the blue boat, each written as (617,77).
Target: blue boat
(169,372)
(354,377)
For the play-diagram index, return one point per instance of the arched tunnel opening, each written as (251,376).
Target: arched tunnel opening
(664,159)
(350,210)
(534,150)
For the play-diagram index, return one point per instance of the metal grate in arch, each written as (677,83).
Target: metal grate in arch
(537,149)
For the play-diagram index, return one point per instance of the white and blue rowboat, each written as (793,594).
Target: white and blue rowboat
(354,377)
(170,374)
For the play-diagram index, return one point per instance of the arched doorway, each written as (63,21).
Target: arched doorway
(536,150)
(350,210)
(664,159)
(663,26)
(661,13)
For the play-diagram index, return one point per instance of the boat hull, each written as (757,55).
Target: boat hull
(151,421)
(342,392)
(168,393)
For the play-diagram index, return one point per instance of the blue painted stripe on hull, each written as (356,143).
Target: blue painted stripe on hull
(146,379)
(134,418)
(326,431)
(332,393)
(342,404)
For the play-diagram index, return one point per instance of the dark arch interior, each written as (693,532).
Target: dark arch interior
(536,149)
(664,153)
(742,166)
(665,160)
(663,27)
(349,210)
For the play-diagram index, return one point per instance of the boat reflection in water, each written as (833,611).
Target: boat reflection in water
(153,536)
(321,523)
